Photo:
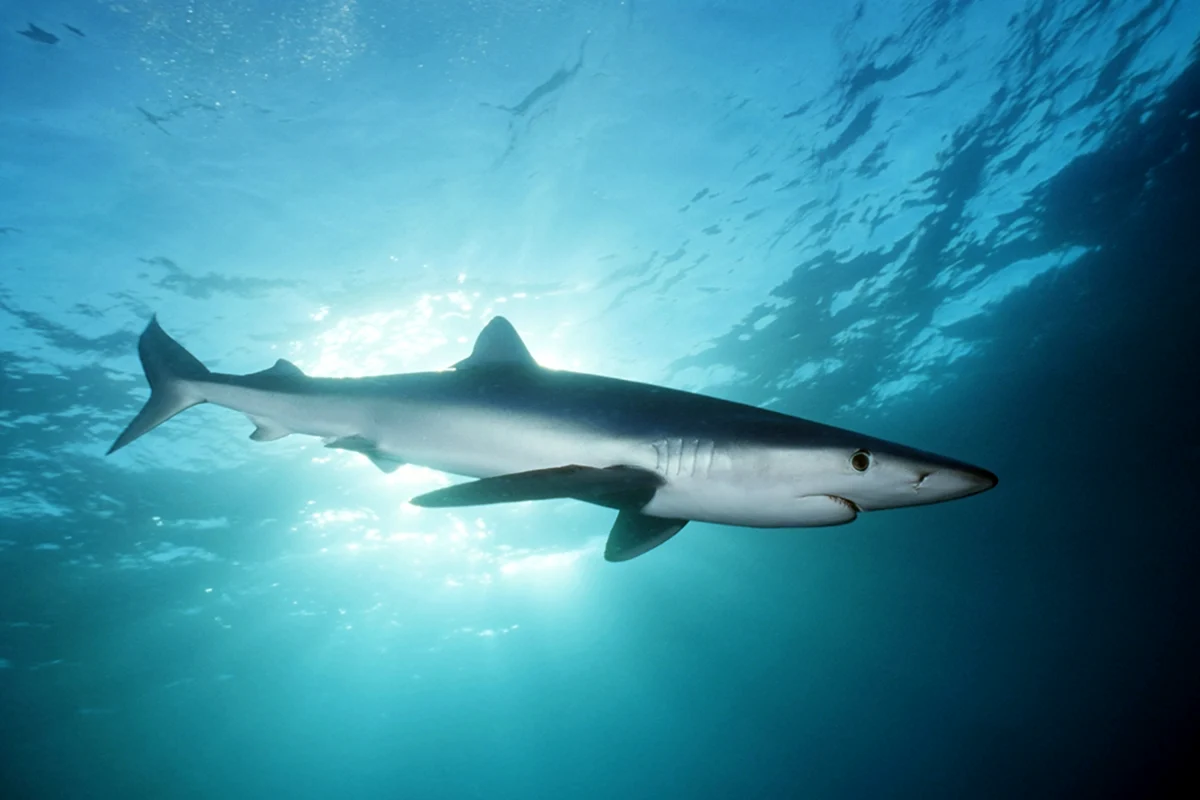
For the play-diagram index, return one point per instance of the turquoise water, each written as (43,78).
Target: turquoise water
(968,227)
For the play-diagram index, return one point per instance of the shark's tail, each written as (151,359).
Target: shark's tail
(172,372)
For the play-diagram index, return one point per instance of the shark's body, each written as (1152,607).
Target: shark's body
(661,456)
(38,35)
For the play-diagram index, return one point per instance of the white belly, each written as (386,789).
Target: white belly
(728,485)
(730,504)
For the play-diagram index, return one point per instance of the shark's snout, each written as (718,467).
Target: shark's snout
(949,483)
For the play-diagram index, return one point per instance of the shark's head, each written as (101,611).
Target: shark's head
(874,474)
(816,476)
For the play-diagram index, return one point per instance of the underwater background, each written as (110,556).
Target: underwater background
(972,227)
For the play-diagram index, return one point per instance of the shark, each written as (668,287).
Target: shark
(660,457)
(38,35)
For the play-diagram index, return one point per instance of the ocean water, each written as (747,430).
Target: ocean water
(971,227)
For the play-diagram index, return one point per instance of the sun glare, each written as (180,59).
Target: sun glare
(445,547)
(430,333)
(542,562)
(450,550)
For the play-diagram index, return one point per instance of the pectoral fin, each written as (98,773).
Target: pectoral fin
(616,487)
(635,533)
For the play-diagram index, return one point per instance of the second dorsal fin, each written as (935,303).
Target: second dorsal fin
(283,369)
(498,344)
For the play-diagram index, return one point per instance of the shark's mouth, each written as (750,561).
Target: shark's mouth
(850,504)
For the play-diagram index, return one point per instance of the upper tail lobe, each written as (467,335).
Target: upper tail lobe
(172,373)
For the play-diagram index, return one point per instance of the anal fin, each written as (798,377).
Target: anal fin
(635,533)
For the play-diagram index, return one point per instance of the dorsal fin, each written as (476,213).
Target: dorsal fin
(498,343)
(283,369)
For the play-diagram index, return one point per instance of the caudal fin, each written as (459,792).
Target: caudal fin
(172,372)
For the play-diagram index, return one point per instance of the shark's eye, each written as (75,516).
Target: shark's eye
(861,460)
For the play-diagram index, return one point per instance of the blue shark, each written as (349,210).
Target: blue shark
(659,457)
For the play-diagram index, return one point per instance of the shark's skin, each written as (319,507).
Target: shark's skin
(661,456)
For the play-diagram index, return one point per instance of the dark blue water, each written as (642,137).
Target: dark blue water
(968,227)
